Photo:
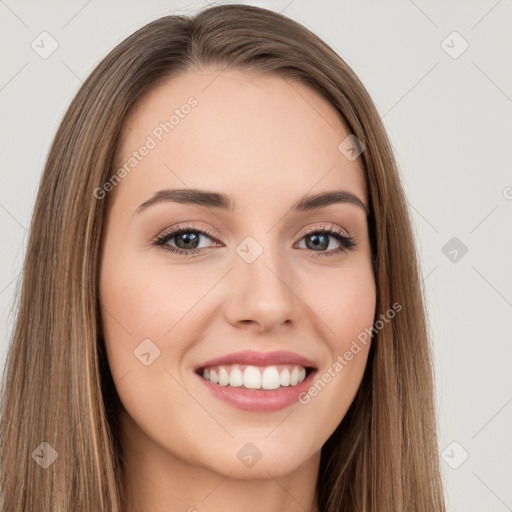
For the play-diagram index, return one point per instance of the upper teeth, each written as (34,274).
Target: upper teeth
(254,377)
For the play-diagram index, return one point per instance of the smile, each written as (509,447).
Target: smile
(257,381)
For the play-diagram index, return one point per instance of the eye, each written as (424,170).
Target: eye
(186,240)
(318,240)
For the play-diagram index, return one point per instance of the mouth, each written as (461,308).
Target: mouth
(257,381)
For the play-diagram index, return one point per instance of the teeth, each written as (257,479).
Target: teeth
(285,377)
(253,377)
(223,377)
(236,378)
(270,378)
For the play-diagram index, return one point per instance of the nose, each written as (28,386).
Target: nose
(261,294)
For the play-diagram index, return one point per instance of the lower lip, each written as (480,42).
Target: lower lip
(259,400)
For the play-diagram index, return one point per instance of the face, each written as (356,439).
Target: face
(262,298)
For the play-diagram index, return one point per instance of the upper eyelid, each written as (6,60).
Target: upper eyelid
(324,227)
(172,232)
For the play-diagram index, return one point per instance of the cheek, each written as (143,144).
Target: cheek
(144,299)
(134,307)
(345,303)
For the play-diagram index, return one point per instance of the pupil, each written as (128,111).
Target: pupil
(189,240)
(317,242)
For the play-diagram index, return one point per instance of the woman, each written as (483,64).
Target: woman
(221,303)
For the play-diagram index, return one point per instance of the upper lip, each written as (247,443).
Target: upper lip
(253,358)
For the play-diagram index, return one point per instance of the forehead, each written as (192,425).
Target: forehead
(238,131)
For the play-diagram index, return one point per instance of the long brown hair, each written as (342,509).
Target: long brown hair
(57,387)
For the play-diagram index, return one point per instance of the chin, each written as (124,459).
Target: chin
(259,459)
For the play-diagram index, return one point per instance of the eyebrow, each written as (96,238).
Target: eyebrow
(225,202)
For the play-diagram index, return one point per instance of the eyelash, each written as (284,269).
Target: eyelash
(347,242)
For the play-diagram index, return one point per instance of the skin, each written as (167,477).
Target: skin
(266,142)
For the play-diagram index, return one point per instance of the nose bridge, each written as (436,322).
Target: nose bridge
(262,263)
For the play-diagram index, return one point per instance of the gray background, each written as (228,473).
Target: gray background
(448,115)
